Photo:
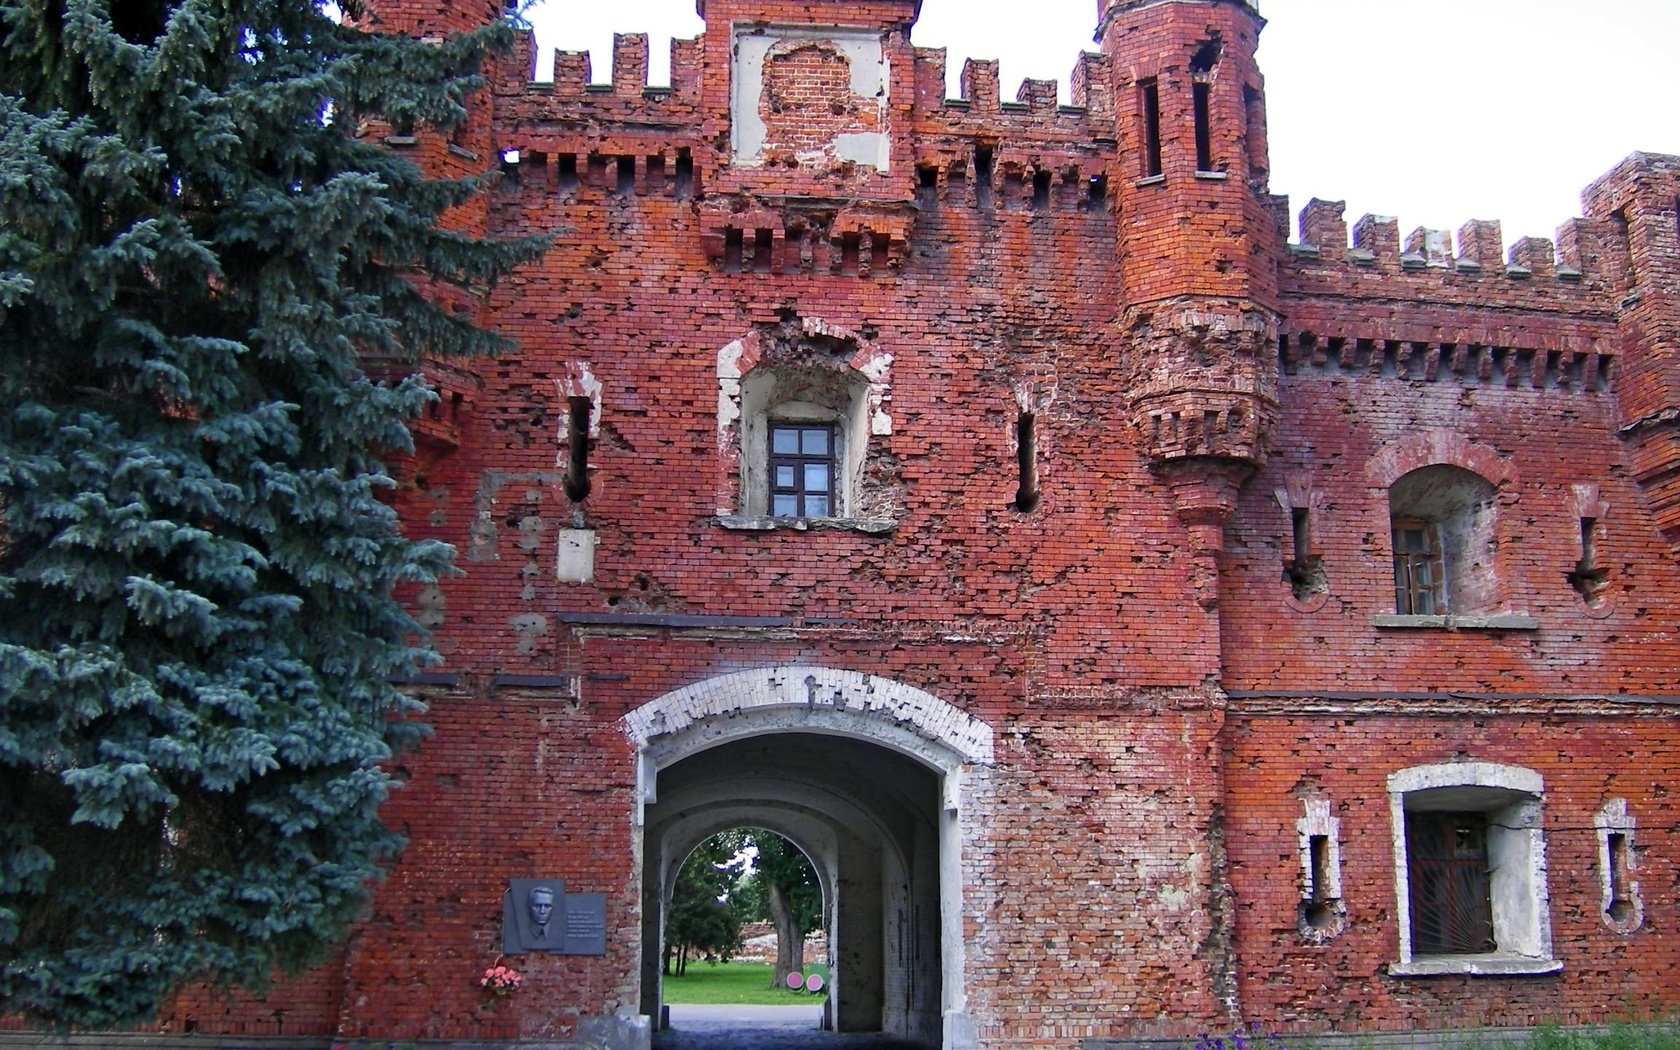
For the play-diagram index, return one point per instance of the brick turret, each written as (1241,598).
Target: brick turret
(1634,208)
(1197,250)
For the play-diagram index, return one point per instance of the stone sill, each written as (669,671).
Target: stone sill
(765,523)
(1475,966)
(1151,180)
(1473,622)
(1213,176)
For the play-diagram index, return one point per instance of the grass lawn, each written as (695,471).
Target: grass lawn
(717,983)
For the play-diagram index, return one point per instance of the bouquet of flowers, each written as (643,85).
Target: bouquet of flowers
(500,980)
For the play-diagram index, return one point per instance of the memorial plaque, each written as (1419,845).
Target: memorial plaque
(586,924)
(538,915)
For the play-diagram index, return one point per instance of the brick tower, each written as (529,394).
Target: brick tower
(1197,250)
(1634,210)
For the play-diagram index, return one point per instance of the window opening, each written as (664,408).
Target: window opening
(1201,99)
(626,176)
(1096,191)
(802,469)
(1254,132)
(1589,577)
(1451,892)
(1319,913)
(1624,237)
(568,173)
(1041,190)
(1621,892)
(927,185)
(763,240)
(733,247)
(1026,456)
(577,448)
(684,174)
(983,176)
(1149,97)
(1418,569)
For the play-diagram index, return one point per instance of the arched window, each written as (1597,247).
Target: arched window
(1443,520)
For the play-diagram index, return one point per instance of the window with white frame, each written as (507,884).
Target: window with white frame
(1470,870)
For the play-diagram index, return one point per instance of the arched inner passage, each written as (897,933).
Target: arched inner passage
(869,817)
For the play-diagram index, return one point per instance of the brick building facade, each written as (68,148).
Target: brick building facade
(1150,616)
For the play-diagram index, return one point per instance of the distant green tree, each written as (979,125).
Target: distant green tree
(783,890)
(197,622)
(702,921)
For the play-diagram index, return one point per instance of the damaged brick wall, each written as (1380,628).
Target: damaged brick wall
(1189,633)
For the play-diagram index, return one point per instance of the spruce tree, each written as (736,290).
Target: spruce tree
(198,632)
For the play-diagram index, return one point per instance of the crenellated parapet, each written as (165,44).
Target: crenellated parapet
(778,190)
(1426,263)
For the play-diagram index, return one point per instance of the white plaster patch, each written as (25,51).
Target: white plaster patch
(575,562)
(868,75)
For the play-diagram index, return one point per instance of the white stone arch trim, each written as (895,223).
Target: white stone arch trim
(862,699)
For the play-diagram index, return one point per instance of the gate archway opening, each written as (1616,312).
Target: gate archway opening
(863,775)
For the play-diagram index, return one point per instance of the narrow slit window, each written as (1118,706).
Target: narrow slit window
(983,176)
(567,173)
(1201,99)
(1149,99)
(1026,457)
(1319,912)
(732,249)
(626,176)
(1589,578)
(577,452)
(1301,526)
(1621,892)
(1041,190)
(684,175)
(1254,132)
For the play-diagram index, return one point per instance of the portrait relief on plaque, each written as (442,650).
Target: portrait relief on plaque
(538,915)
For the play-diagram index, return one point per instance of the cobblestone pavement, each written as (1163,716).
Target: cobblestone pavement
(760,1028)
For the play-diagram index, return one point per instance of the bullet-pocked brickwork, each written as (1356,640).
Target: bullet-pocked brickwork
(1188,650)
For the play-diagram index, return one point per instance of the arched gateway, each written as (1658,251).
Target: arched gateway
(864,774)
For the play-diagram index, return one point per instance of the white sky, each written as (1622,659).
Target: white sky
(1436,111)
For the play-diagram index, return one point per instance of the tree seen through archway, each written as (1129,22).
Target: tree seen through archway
(738,876)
